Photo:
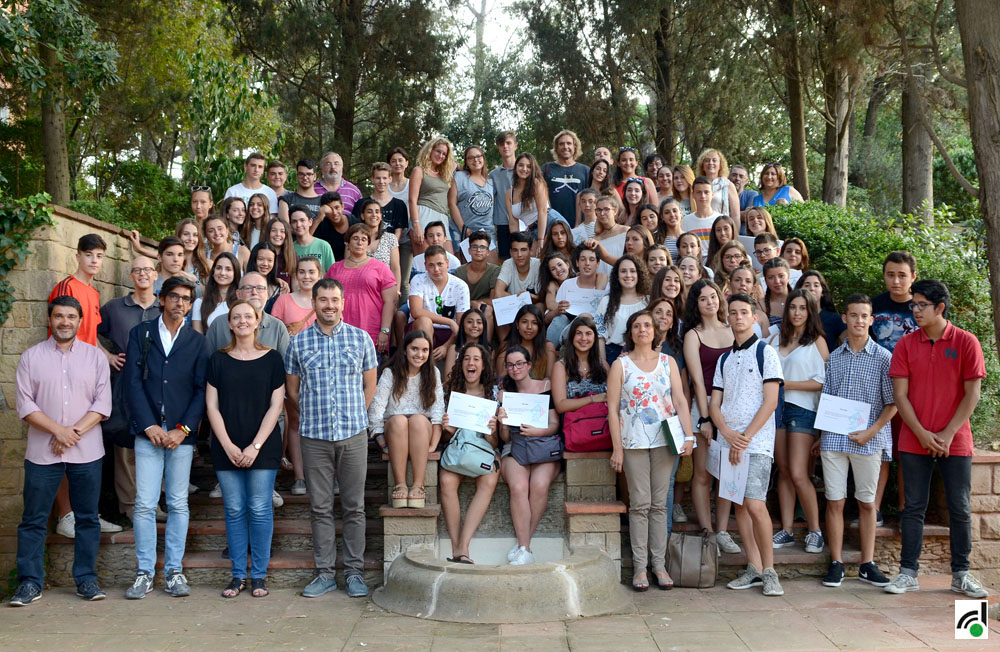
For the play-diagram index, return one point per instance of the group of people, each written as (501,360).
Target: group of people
(291,327)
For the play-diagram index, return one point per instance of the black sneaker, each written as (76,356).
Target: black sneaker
(835,574)
(90,591)
(25,595)
(869,572)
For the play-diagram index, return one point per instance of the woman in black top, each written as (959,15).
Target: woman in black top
(244,394)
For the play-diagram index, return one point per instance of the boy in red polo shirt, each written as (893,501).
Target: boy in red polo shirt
(937,372)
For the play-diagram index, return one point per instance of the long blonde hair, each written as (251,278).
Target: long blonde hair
(447,170)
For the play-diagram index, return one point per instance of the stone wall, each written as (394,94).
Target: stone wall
(52,257)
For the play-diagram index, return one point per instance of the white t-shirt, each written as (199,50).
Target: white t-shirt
(742,386)
(515,284)
(802,363)
(454,297)
(220,310)
(419,268)
(583,231)
(239,190)
(613,332)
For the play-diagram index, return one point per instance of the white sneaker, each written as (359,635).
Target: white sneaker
(522,557)
(276,499)
(902,583)
(66,526)
(726,543)
(513,552)
(109,528)
(679,515)
(216,491)
(192,488)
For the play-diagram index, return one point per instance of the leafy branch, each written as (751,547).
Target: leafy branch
(19,218)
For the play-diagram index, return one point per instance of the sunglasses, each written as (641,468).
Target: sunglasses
(201,188)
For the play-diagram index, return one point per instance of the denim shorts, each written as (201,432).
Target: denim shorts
(798,419)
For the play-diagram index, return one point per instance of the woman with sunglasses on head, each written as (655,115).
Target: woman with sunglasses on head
(528,480)
(474,376)
(774,188)
(707,337)
(627,168)
(633,196)
(645,389)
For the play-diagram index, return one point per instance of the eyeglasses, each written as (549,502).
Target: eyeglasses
(919,307)
(516,365)
(201,189)
(478,247)
(178,298)
(260,289)
(604,210)
(734,257)
(763,252)
(141,270)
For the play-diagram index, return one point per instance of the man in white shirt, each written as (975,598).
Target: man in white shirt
(437,301)
(253,169)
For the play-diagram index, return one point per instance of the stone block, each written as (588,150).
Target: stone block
(395,545)
(20,315)
(984,504)
(10,426)
(596,539)
(976,532)
(53,256)
(996,478)
(11,481)
(16,340)
(409,525)
(39,313)
(590,493)
(32,284)
(12,453)
(982,479)
(577,539)
(589,472)
(9,391)
(989,526)
(985,554)
(8,368)
(11,508)
(430,476)
(594,523)
(614,545)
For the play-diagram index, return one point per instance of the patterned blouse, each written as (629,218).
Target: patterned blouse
(645,403)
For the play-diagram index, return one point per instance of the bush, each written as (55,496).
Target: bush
(849,249)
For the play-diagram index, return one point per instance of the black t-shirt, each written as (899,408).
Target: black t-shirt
(833,325)
(564,183)
(309,203)
(245,388)
(395,214)
(892,320)
(326,231)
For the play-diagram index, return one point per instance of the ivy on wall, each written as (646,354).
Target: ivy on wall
(19,218)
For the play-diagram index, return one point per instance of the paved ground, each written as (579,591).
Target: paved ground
(809,617)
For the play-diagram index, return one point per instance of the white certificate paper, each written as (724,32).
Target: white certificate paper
(582,300)
(472,412)
(841,415)
(526,409)
(733,478)
(714,458)
(505,308)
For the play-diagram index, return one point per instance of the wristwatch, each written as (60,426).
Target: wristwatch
(256,446)
(702,421)
(384,330)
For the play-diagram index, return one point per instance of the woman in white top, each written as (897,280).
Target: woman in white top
(645,387)
(628,293)
(712,164)
(801,346)
(219,291)
(408,406)
(609,236)
(528,198)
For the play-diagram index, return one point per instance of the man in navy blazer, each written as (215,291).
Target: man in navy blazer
(165,376)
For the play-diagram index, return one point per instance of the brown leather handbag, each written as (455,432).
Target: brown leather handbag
(693,559)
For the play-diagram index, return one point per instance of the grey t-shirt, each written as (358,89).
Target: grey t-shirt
(311,204)
(503,179)
(475,202)
(564,182)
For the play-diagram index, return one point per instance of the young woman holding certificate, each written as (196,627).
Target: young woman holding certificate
(644,387)
(524,465)
(474,376)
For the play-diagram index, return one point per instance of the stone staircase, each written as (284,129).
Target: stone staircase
(291,558)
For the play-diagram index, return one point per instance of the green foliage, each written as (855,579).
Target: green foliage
(849,248)
(948,192)
(18,220)
(20,156)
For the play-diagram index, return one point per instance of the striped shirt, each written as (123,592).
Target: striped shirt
(861,376)
(331,390)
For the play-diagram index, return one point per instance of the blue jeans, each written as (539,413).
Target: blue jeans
(153,464)
(246,495)
(956,471)
(41,481)
(555,329)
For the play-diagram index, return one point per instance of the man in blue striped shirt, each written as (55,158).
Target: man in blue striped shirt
(331,374)
(858,370)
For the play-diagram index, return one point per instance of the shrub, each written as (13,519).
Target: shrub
(849,249)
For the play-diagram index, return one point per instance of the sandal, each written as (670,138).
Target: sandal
(235,587)
(663,581)
(258,588)
(460,559)
(417,496)
(399,498)
(286,464)
(640,586)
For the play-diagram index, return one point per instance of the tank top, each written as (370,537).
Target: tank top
(645,402)
(709,357)
(781,194)
(433,194)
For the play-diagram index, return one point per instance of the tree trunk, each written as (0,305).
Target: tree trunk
(347,79)
(663,67)
(54,150)
(837,89)
(614,78)
(478,110)
(880,90)
(918,154)
(979,27)
(796,101)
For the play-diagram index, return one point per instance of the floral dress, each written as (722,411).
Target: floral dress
(645,403)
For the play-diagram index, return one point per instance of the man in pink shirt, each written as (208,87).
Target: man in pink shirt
(63,393)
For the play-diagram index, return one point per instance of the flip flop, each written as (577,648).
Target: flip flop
(460,559)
